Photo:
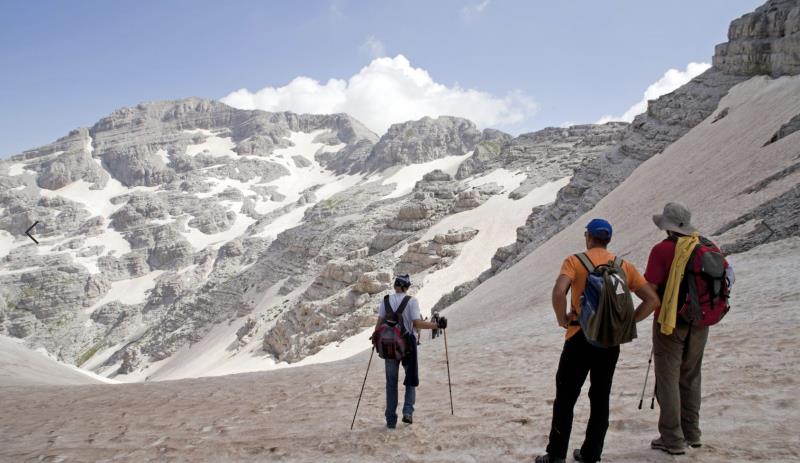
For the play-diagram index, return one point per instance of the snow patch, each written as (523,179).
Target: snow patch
(200,240)
(131,291)
(97,202)
(7,243)
(505,178)
(284,222)
(162,153)
(222,184)
(406,177)
(16,169)
(216,146)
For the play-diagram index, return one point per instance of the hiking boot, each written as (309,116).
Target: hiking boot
(695,444)
(576,454)
(547,458)
(391,425)
(659,444)
(408,419)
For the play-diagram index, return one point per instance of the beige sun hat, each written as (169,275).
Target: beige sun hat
(676,218)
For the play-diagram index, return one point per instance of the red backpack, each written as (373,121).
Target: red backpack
(705,289)
(390,337)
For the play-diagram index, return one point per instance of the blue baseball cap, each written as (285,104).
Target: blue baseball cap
(600,228)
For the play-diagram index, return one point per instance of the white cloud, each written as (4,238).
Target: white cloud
(475,9)
(373,47)
(387,91)
(669,82)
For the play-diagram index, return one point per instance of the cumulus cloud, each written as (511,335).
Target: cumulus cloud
(387,91)
(373,47)
(669,82)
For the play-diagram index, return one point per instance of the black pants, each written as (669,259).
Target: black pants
(578,359)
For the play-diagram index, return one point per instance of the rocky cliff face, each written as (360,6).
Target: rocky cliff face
(169,221)
(763,42)
(144,217)
(766,41)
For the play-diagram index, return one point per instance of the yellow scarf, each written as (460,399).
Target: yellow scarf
(669,305)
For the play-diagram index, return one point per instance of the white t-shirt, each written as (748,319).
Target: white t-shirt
(410,313)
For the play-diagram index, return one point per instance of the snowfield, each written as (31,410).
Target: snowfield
(503,344)
(20,366)
(496,221)
(17,168)
(216,146)
(407,176)
(131,291)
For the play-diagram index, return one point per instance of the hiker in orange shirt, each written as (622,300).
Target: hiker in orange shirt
(580,357)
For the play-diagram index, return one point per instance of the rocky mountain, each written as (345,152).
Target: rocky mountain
(504,344)
(322,242)
(187,238)
(766,41)
(187,229)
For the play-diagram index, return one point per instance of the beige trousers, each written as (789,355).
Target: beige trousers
(678,360)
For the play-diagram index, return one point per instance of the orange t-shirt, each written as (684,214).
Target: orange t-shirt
(576,272)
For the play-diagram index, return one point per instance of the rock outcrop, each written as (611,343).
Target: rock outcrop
(763,42)
(766,41)
(424,140)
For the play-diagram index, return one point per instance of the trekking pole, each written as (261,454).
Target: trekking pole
(362,388)
(646,376)
(447,358)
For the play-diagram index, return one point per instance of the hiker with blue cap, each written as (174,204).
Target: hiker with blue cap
(601,318)
(395,341)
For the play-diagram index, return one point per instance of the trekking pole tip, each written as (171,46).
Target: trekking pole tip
(640,404)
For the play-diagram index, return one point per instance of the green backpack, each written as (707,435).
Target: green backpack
(606,316)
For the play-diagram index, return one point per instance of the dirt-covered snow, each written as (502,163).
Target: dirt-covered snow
(21,366)
(503,344)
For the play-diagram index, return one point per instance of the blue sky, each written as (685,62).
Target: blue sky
(532,63)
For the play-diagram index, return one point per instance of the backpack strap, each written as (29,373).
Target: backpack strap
(402,307)
(587,263)
(696,313)
(387,308)
(618,262)
(395,316)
